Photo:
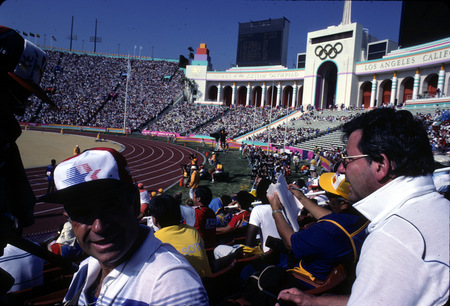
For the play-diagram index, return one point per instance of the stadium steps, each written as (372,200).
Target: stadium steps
(325,141)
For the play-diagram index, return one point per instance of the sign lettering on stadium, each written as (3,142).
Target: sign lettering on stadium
(405,62)
(256,75)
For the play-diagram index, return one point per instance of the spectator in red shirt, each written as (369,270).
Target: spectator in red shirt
(241,218)
(205,218)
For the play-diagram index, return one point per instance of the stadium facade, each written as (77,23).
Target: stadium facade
(343,66)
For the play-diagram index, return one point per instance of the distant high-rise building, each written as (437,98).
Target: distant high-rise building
(263,43)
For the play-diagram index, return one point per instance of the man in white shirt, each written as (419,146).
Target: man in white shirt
(405,258)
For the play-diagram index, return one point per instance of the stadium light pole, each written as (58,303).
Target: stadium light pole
(270,119)
(254,115)
(126,94)
(95,39)
(287,122)
(71,36)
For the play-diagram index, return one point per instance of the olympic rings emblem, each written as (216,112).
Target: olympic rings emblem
(328,51)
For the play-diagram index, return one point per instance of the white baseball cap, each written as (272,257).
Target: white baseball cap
(92,173)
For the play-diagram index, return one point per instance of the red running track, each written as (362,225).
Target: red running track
(153,163)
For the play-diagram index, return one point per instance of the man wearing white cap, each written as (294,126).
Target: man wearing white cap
(127,264)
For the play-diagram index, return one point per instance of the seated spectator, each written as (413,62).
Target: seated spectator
(217,205)
(166,215)
(66,244)
(205,219)
(204,175)
(326,244)
(261,222)
(241,218)
(218,174)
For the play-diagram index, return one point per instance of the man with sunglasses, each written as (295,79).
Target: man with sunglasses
(405,257)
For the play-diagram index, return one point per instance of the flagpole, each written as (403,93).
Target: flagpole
(270,120)
(126,93)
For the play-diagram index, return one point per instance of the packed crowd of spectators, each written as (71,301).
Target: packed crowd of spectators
(92,90)
(185,117)
(438,129)
(240,120)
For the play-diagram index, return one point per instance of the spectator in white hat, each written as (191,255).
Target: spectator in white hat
(127,264)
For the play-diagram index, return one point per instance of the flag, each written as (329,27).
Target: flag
(129,70)
(31,34)
(38,36)
(53,38)
(24,34)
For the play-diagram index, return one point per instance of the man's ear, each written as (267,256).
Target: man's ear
(155,222)
(382,169)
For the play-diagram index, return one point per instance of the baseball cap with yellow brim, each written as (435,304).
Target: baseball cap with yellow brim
(334,182)
(94,173)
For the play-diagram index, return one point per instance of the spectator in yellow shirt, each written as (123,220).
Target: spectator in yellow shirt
(166,215)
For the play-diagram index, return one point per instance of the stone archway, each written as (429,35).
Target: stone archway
(256,95)
(326,85)
(366,91)
(227,95)
(385,92)
(299,101)
(407,86)
(242,95)
(431,82)
(287,96)
(272,94)
(212,93)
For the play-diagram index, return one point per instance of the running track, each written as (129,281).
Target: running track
(155,164)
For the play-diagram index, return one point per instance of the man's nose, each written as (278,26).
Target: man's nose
(341,168)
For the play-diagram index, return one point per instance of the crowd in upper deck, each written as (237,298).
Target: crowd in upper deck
(97,91)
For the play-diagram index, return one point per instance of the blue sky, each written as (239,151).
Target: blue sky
(166,28)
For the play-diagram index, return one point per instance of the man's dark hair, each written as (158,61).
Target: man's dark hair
(398,135)
(261,190)
(165,210)
(226,199)
(245,199)
(204,193)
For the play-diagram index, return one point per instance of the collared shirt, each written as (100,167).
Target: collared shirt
(405,258)
(155,275)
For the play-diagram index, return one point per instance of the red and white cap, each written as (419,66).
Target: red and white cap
(91,173)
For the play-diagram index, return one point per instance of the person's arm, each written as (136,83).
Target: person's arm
(316,210)
(298,297)
(252,231)
(224,229)
(283,227)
